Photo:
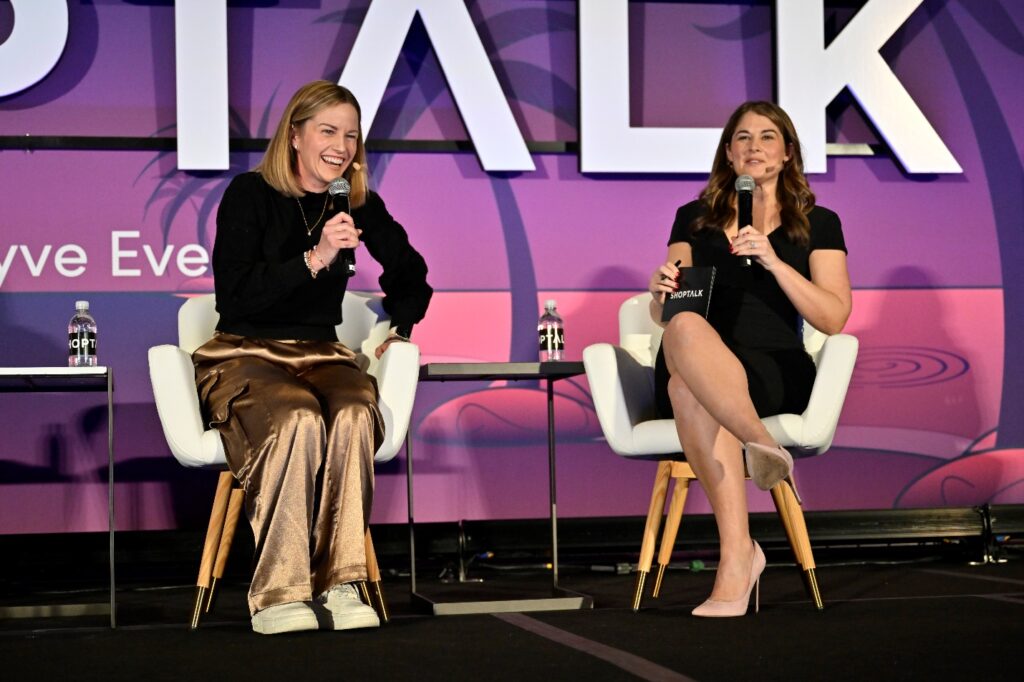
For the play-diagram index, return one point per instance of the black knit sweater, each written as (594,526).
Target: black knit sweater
(264,289)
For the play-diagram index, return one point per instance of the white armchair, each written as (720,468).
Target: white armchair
(622,386)
(365,326)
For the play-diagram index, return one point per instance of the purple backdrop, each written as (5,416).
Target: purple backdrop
(930,419)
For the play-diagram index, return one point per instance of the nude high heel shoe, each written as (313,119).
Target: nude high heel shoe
(718,608)
(767,466)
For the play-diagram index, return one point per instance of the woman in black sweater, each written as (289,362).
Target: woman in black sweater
(718,376)
(297,413)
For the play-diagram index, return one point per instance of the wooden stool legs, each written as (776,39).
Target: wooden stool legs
(211,548)
(654,513)
(227,509)
(375,596)
(786,501)
(675,517)
(792,515)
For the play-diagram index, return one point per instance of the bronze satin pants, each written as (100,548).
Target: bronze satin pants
(300,425)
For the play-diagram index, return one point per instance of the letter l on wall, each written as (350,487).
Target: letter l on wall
(608,144)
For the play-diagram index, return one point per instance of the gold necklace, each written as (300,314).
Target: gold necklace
(309,230)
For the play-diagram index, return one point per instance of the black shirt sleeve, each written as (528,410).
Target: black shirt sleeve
(682,226)
(826,230)
(404,276)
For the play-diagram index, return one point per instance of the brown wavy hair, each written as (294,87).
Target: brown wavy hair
(792,191)
(279,164)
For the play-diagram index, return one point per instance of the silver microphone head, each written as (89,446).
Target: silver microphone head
(744,183)
(341,187)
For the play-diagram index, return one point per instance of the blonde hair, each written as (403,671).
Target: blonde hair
(792,191)
(279,164)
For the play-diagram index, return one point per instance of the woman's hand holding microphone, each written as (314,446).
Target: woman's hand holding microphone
(750,243)
(339,233)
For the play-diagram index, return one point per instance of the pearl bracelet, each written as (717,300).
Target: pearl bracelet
(309,265)
(316,254)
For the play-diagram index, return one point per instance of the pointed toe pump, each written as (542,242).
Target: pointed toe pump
(719,608)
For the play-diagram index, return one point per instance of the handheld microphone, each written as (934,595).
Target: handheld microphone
(745,206)
(339,190)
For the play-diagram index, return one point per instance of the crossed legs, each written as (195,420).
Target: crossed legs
(714,416)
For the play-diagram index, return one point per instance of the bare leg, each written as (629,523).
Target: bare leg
(696,354)
(711,403)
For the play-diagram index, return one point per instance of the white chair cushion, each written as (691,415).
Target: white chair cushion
(172,375)
(622,387)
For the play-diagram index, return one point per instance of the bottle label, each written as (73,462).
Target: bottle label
(551,338)
(82,344)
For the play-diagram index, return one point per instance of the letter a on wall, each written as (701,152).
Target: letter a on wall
(482,104)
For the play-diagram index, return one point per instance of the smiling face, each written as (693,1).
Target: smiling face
(325,145)
(757,148)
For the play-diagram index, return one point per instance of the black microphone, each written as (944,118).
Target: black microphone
(745,205)
(339,190)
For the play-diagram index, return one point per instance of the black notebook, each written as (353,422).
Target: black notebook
(694,294)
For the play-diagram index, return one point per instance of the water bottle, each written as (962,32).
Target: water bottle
(550,333)
(82,337)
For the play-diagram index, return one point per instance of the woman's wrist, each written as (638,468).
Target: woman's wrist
(313,272)
(399,333)
(316,257)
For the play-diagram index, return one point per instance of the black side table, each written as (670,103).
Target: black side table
(549,372)
(64,380)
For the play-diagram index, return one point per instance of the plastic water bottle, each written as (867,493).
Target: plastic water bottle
(82,337)
(550,333)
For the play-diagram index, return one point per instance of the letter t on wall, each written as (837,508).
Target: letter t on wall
(201,66)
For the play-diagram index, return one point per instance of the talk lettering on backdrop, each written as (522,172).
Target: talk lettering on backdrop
(809,75)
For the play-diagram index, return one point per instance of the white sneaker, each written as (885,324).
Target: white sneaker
(293,616)
(346,609)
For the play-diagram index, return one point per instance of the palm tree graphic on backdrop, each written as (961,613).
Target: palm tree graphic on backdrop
(416,84)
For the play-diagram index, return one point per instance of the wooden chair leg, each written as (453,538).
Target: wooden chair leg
(226,537)
(375,597)
(682,474)
(657,508)
(792,515)
(213,533)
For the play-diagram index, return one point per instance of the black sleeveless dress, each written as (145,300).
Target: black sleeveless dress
(752,314)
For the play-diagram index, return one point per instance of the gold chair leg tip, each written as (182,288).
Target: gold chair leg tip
(198,607)
(379,604)
(657,581)
(638,591)
(812,587)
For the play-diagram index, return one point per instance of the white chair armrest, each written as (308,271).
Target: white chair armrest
(378,334)
(623,393)
(836,360)
(397,374)
(174,389)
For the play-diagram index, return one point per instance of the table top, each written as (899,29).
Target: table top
(486,371)
(26,379)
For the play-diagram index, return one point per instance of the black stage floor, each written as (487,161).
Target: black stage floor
(897,614)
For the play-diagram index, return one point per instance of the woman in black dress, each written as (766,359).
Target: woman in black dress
(718,376)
